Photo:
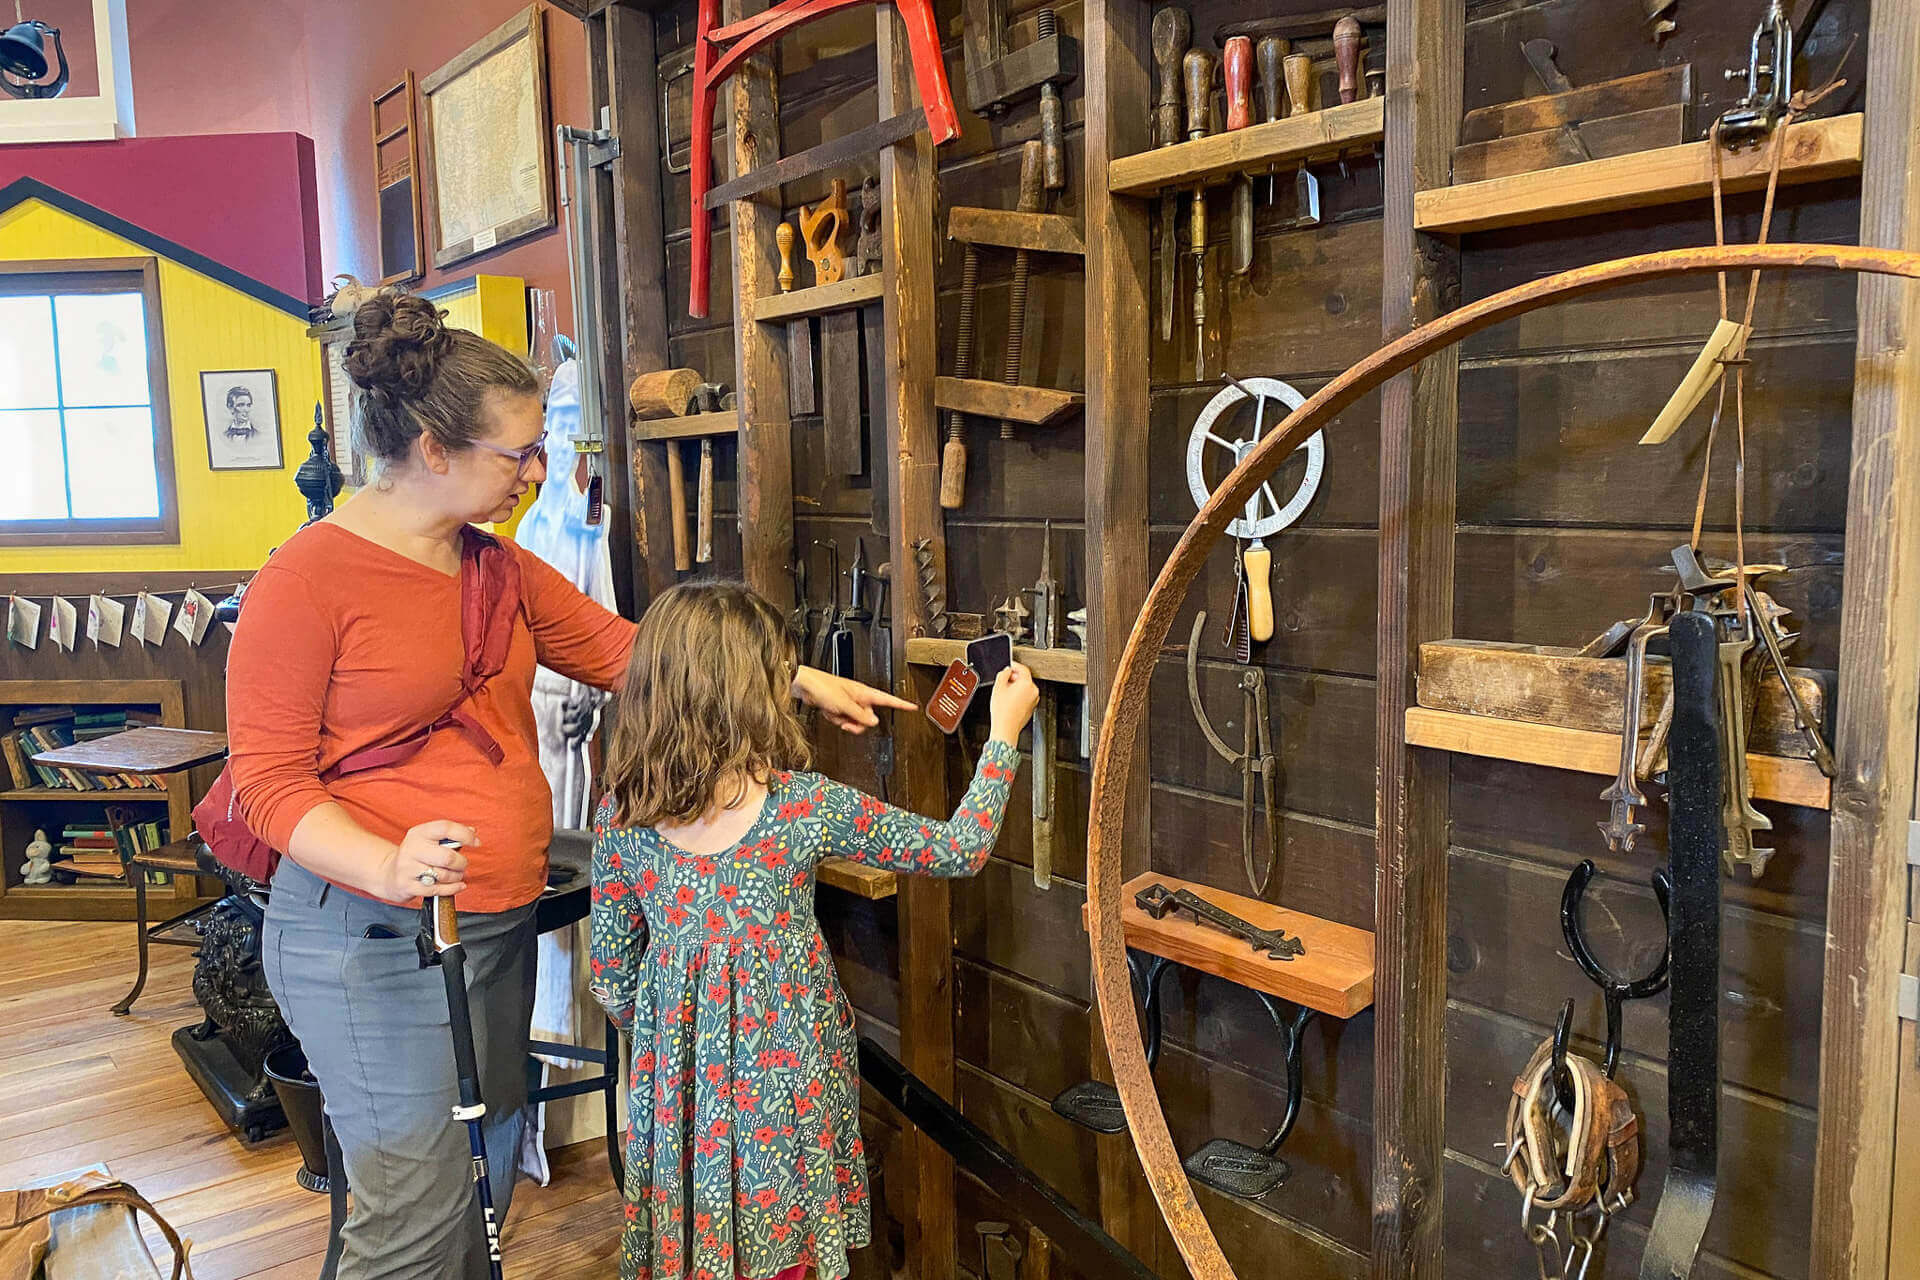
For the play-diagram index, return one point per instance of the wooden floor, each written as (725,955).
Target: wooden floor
(78,1085)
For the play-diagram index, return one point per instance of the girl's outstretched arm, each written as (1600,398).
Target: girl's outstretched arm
(859,828)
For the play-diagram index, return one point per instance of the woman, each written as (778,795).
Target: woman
(351,639)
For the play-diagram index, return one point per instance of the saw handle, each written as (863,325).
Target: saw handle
(1259,565)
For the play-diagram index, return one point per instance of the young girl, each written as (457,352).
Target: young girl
(743,1143)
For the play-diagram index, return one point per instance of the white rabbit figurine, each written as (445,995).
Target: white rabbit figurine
(37,869)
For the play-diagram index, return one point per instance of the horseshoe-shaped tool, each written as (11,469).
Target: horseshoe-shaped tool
(1265,513)
(1255,756)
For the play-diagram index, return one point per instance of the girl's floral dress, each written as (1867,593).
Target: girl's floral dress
(743,1141)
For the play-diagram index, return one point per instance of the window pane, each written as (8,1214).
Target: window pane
(111,452)
(33,480)
(103,348)
(26,354)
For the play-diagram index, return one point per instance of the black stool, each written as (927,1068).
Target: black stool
(566,902)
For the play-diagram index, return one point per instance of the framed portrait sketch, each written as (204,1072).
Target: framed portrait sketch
(243,419)
(489,143)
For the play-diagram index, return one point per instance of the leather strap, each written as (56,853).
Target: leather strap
(1598,1157)
(22,1208)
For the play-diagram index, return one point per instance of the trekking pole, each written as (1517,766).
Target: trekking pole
(439,944)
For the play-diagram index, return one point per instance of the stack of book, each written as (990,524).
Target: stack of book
(87,850)
(37,729)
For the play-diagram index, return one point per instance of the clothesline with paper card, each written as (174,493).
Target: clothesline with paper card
(113,618)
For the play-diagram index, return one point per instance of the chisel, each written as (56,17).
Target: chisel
(799,332)
(1237,67)
(1198,73)
(1172,31)
(1348,45)
(1269,54)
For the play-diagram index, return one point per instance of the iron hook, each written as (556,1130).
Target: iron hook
(1613,989)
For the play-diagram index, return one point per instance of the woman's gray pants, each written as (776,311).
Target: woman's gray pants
(373,1024)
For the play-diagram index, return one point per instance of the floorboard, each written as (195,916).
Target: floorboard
(78,1085)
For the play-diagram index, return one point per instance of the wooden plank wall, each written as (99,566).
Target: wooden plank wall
(1562,527)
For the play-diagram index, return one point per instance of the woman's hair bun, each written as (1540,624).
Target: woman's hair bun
(398,342)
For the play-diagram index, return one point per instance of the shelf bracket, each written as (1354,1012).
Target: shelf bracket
(1095,1104)
(1251,1172)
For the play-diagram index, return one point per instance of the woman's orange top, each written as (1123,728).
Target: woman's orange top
(343,644)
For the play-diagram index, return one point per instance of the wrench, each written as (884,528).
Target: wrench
(1624,795)
(1742,820)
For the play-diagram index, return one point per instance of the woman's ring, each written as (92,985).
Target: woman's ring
(428,877)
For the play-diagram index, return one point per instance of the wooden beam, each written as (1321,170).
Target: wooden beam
(760,354)
(1333,975)
(832,154)
(1879,689)
(1420,279)
(850,877)
(1011,229)
(1116,59)
(844,295)
(641,267)
(1816,150)
(1326,132)
(908,439)
(1057,666)
(690,427)
(1036,406)
(1553,746)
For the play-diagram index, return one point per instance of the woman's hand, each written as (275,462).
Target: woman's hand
(848,704)
(1014,697)
(421,854)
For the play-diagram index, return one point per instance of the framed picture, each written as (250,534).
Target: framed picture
(396,182)
(243,419)
(339,402)
(489,143)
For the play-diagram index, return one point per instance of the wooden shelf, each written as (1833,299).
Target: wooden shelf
(1326,132)
(143,795)
(1788,781)
(861,881)
(694,425)
(842,295)
(1056,666)
(1815,150)
(1035,406)
(1011,229)
(1334,976)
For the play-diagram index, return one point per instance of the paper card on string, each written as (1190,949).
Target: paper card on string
(23,622)
(65,627)
(150,614)
(106,620)
(196,615)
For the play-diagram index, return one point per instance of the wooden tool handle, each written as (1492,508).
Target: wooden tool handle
(783,236)
(663,393)
(1298,68)
(1198,73)
(1032,175)
(703,545)
(1237,64)
(446,923)
(1270,53)
(953,474)
(1172,33)
(1259,565)
(1348,44)
(677,507)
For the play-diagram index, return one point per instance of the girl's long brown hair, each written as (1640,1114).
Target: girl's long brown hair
(706,702)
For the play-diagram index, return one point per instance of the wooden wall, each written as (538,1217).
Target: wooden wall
(1563,526)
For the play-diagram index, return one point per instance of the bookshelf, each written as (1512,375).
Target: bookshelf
(23,809)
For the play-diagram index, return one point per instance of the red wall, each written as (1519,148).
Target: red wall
(245,200)
(217,66)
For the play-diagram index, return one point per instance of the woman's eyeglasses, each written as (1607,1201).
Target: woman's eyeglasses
(522,457)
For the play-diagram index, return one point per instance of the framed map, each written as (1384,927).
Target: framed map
(489,144)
